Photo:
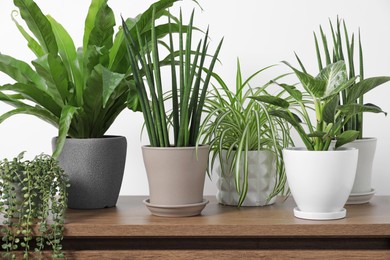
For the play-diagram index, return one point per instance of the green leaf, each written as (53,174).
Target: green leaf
(20,71)
(354,108)
(31,42)
(90,20)
(334,75)
(317,134)
(364,86)
(276,101)
(133,102)
(64,125)
(346,137)
(35,111)
(111,81)
(68,53)
(330,109)
(36,95)
(316,87)
(292,91)
(38,24)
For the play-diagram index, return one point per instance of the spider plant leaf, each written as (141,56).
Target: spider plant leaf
(239,82)
(64,125)
(363,86)
(346,137)
(111,81)
(31,42)
(279,102)
(38,25)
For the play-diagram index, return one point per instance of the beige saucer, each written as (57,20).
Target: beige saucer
(176,211)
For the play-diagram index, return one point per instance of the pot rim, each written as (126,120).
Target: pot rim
(304,149)
(200,147)
(105,137)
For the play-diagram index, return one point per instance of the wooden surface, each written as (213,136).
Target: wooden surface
(131,219)
(129,231)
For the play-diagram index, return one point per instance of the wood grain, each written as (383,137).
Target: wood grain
(131,218)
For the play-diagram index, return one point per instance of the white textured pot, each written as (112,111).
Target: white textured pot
(366,147)
(320,181)
(176,178)
(261,179)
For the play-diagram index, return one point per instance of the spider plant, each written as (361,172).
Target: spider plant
(188,87)
(344,46)
(236,125)
(80,92)
(324,94)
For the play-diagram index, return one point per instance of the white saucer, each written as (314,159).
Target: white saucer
(175,211)
(319,215)
(360,198)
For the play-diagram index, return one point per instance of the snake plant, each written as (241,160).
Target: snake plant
(79,91)
(188,86)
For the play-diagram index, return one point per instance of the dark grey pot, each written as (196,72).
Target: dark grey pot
(95,167)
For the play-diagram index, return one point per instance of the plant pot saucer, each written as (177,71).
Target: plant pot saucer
(360,198)
(176,211)
(319,215)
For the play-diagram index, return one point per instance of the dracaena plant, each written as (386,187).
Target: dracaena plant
(322,94)
(344,46)
(236,125)
(79,91)
(188,87)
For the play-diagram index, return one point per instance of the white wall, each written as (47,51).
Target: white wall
(259,32)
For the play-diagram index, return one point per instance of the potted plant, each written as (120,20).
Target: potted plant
(320,179)
(80,92)
(33,200)
(245,143)
(343,49)
(176,171)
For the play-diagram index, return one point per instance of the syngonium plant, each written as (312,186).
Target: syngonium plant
(344,50)
(79,91)
(322,94)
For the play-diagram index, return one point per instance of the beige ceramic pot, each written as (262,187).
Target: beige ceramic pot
(176,175)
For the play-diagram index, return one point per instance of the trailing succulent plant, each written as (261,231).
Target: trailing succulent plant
(33,200)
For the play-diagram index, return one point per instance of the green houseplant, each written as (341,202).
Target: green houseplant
(245,143)
(79,91)
(320,179)
(344,45)
(176,171)
(33,200)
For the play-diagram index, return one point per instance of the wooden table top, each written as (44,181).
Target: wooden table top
(130,218)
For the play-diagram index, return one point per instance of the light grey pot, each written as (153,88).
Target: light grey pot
(95,167)
(261,179)
(176,175)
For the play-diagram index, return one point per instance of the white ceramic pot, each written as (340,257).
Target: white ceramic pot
(320,181)
(261,179)
(366,147)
